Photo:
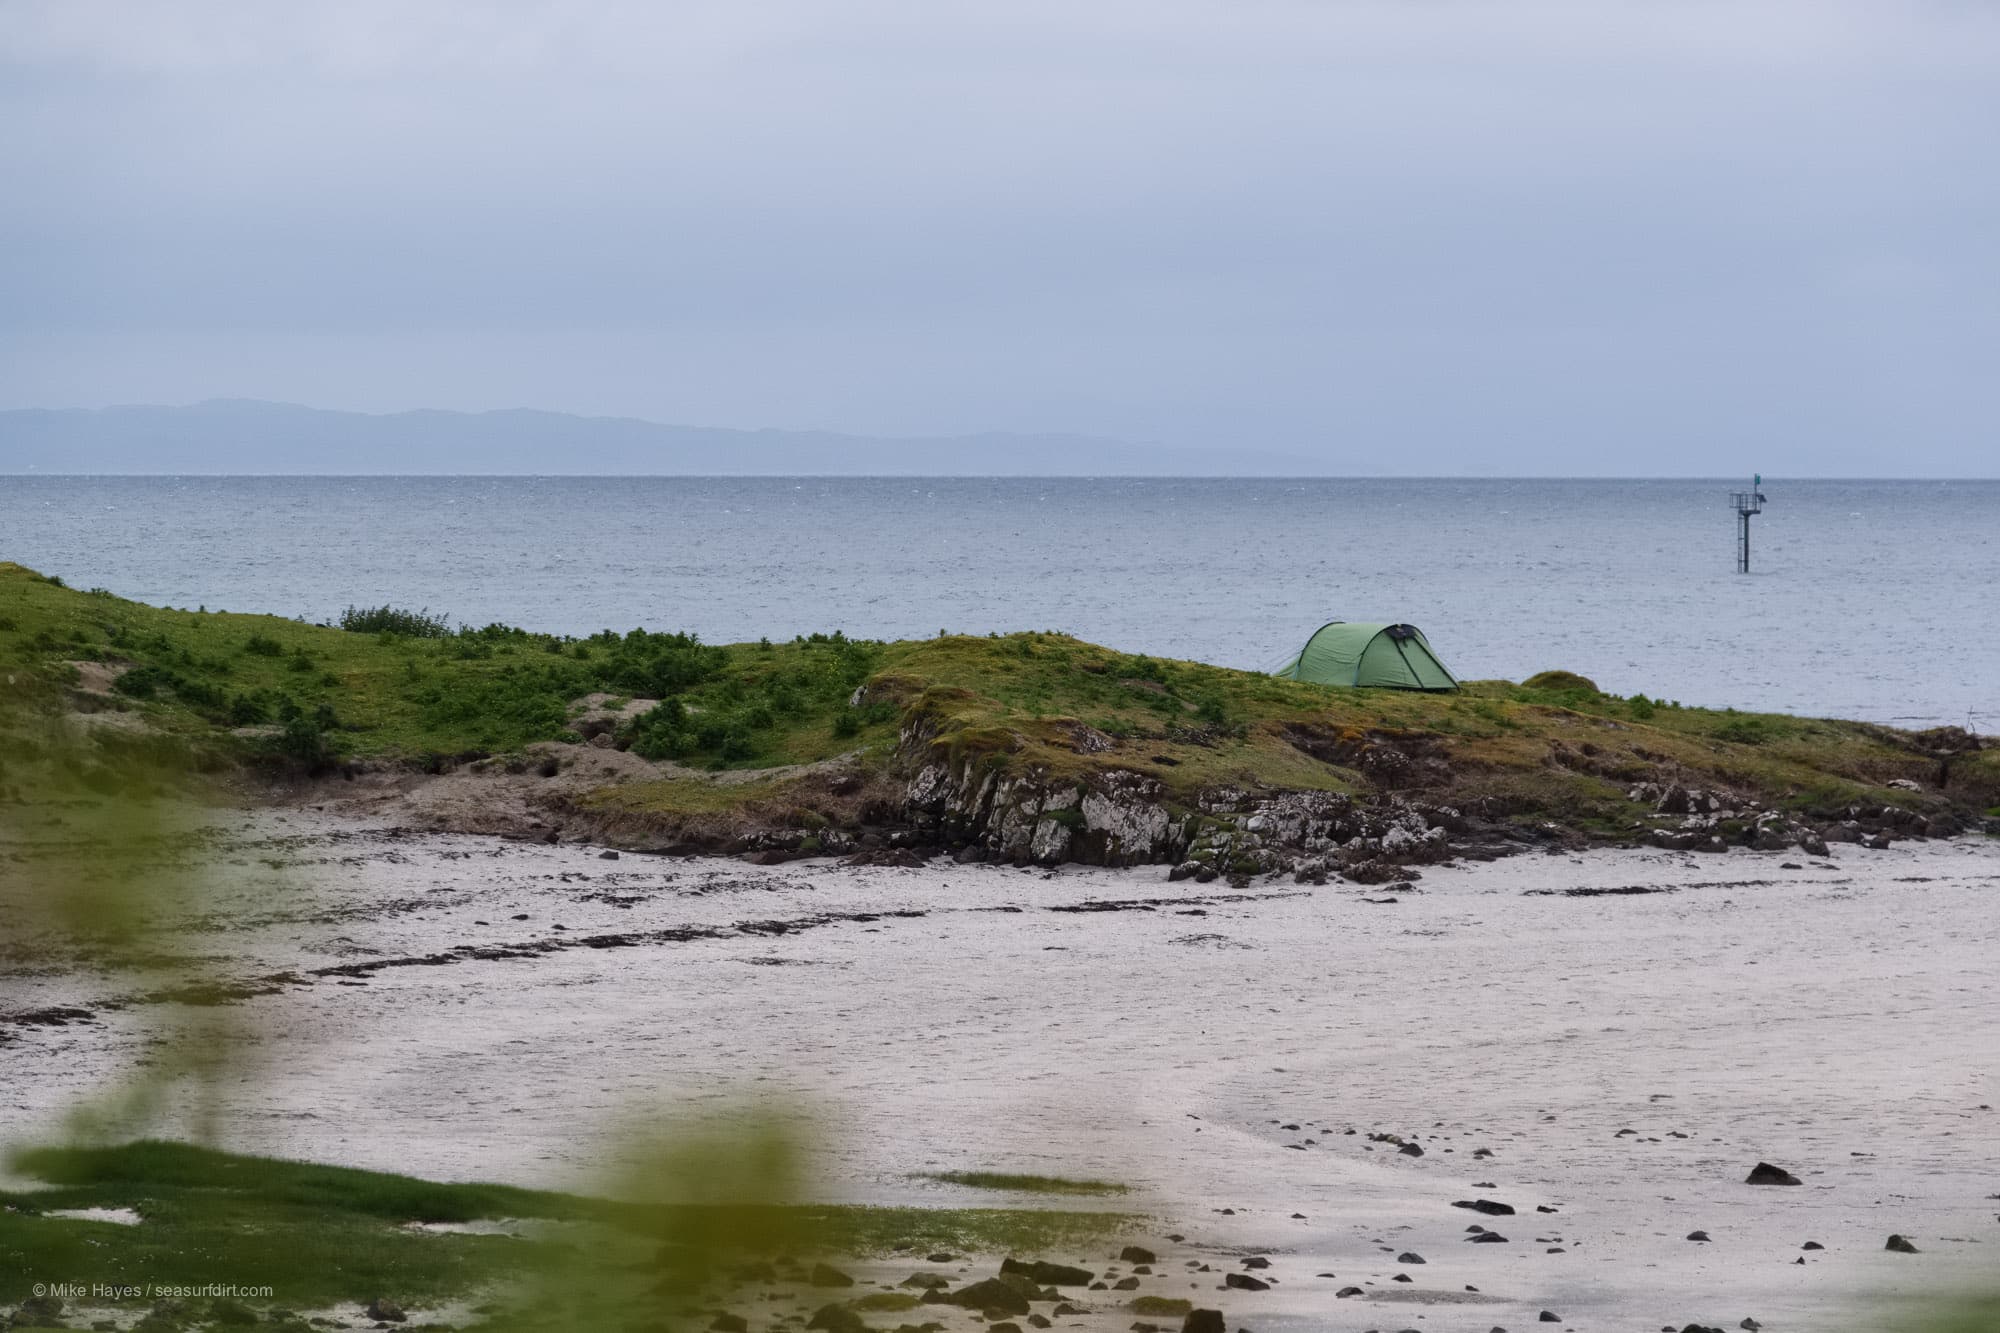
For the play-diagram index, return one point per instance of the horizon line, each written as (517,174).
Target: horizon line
(966,476)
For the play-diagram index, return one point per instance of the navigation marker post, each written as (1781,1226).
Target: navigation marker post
(1747,503)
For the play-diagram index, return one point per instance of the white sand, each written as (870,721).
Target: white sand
(1841,1022)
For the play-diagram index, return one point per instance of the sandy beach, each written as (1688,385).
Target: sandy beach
(1606,1043)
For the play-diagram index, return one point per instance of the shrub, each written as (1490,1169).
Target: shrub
(261,645)
(1743,731)
(305,742)
(522,703)
(1561,682)
(419,624)
(657,665)
(248,711)
(1641,707)
(143,682)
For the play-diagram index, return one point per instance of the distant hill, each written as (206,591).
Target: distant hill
(244,437)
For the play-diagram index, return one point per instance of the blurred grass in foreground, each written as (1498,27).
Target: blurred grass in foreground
(1962,1314)
(324,1235)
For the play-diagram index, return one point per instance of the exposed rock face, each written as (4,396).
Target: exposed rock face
(1118,819)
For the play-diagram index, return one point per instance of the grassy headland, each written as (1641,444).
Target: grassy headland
(810,744)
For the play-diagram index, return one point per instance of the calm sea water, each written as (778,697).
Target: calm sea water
(1869,599)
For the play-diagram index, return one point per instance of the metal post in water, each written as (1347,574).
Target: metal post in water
(1747,503)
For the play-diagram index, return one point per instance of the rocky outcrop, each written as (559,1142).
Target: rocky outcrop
(1114,818)
(1117,817)
(1693,819)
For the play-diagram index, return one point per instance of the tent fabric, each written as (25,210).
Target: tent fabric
(1382,656)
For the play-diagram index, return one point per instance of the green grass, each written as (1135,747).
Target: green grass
(1042,702)
(1025,1184)
(429,691)
(319,1235)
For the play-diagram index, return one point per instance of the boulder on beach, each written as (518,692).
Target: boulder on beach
(1047,1274)
(1900,1245)
(837,1318)
(1491,1207)
(1203,1321)
(993,1294)
(1765,1174)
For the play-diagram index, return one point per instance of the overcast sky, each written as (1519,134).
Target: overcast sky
(1481,236)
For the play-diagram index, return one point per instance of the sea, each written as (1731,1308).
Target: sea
(1877,600)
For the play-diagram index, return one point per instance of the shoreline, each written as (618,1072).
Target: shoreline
(1109,1023)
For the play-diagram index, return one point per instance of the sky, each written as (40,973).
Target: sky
(1514,237)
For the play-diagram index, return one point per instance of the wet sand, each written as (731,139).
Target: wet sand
(1211,1047)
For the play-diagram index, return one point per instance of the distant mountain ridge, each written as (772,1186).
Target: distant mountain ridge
(233,436)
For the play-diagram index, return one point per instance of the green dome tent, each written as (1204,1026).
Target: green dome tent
(1394,657)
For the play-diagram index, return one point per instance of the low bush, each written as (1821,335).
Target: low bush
(306,739)
(142,682)
(1561,682)
(1743,731)
(395,620)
